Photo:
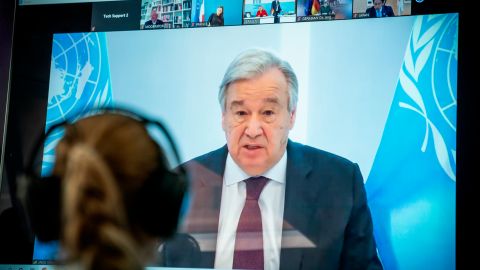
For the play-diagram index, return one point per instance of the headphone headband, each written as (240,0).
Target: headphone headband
(97,111)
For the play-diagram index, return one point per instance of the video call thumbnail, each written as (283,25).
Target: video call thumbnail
(158,14)
(266,11)
(114,16)
(381,8)
(215,13)
(323,10)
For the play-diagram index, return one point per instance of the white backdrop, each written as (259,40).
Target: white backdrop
(347,71)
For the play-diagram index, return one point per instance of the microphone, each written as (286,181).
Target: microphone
(182,250)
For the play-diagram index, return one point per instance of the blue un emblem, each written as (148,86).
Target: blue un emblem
(432,88)
(79,81)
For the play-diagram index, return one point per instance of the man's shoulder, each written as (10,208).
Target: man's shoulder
(317,156)
(210,155)
(388,10)
(319,163)
(370,11)
(210,159)
(206,164)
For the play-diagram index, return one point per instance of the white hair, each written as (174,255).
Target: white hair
(252,63)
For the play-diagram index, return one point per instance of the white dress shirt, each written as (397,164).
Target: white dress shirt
(271,204)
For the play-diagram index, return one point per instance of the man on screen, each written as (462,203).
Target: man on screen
(263,201)
(379,10)
(154,22)
(275,11)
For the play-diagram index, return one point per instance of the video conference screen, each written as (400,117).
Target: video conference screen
(379,92)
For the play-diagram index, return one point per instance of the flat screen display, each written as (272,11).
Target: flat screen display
(379,92)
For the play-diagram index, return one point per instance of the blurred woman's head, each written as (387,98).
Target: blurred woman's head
(220,10)
(103,161)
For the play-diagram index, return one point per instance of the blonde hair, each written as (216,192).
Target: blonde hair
(103,161)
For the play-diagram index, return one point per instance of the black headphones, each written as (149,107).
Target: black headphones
(156,208)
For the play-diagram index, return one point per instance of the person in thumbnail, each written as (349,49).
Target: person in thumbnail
(275,11)
(261,12)
(325,9)
(154,21)
(380,9)
(260,187)
(400,7)
(216,19)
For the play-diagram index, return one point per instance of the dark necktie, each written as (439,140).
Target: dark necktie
(248,252)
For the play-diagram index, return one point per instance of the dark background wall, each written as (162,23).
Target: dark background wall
(14,246)
(32,40)
(7,9)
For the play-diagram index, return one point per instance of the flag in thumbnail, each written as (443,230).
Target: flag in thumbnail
(202,12)
(315,7)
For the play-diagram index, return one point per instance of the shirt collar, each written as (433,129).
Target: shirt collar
(234,174)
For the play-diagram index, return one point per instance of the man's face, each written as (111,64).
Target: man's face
(219,11)
(256,121)
(377,4)
(154,15)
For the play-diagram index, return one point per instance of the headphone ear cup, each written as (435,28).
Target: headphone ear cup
(157,207)
(43,207)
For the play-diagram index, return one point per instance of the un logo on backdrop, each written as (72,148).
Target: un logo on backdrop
(433,96)
(444,79)
(79,81)
(79,75)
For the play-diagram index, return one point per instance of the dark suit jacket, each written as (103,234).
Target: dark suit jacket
(150,25)
(324,200)
(274,8)
(387,11)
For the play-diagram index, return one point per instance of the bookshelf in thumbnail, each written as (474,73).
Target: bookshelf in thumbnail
(187,13)
(173,13)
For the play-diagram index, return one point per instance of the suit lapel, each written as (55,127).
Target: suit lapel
(207,177)
(212,176)
(297,191)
